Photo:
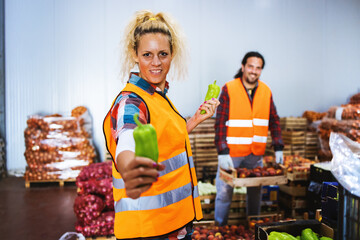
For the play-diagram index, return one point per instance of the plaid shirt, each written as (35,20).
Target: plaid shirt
(222,116)
(129,103)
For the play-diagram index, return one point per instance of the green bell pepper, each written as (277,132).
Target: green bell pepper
(281,236)
(146,144)
(308,234)
(212,92)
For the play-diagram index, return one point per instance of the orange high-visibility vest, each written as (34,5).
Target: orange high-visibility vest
(173,201)
(247,126)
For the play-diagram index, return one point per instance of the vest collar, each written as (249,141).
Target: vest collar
(146,86)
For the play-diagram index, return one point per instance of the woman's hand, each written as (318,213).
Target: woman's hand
(210,108)
(138,173)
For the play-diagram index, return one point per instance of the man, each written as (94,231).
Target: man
(245,114)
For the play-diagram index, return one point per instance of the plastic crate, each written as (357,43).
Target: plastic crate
(349,215)
(292,227)
(320,172)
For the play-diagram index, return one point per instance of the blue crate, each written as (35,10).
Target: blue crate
(270,193)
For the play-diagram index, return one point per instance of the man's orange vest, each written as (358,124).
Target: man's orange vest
(247,127)
(173,200)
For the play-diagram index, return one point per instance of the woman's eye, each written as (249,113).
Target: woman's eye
(164,54)
(146,54)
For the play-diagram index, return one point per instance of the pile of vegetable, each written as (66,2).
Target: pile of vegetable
(94,205)
(230,232)
(306,234)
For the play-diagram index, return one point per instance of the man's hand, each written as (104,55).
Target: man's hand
(225,162)
(279,157)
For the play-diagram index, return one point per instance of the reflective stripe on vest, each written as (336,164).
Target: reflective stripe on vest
(247,129)
(154,202)
(173,200)
(170,165)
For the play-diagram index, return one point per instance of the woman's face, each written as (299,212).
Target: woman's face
(154,58)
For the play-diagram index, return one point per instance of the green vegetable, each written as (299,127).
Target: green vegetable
(298,237)
(281,235)
(289,236)
(308,234)
(212,92)
(325,238)
(146,144)
(275,236)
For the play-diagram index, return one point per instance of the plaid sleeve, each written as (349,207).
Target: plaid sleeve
(122,114)
(222,115)
(274,127)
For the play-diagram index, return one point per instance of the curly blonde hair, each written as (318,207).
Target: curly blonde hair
(144,22)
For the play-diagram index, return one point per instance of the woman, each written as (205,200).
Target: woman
(153,200)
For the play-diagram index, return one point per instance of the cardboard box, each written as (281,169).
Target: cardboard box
(292,227)
(232,180)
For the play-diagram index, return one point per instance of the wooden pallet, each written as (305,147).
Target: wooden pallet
(58,181)
(293,137)
(293,123)
(205,127)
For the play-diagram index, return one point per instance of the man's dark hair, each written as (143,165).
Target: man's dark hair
(248,55)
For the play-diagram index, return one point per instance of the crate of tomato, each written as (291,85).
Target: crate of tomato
(259,176)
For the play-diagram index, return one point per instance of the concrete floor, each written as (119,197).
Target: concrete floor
(41,212)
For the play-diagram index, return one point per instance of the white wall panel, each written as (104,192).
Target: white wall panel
(64,53)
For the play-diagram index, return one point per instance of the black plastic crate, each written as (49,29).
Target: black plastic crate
(292,227)
(349,215)
(321,174)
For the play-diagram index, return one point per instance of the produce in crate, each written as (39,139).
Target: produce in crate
(306,234)
(259,172)
(221,232)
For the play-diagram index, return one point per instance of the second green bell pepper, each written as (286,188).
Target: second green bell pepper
(212,92)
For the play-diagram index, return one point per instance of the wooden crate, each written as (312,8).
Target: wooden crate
(292,202)
(299,174)
(205,127)
(206,173)
(233,180)
(293,123)
(204,150)
(295,191)
(293,137)
(237,210)
(311,138)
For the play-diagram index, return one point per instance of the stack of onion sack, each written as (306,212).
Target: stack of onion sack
(345,120)
(58,147)
(94,205)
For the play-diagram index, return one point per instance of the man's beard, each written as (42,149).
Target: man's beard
(251,82)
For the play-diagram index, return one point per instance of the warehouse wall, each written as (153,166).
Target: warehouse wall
(64,53)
